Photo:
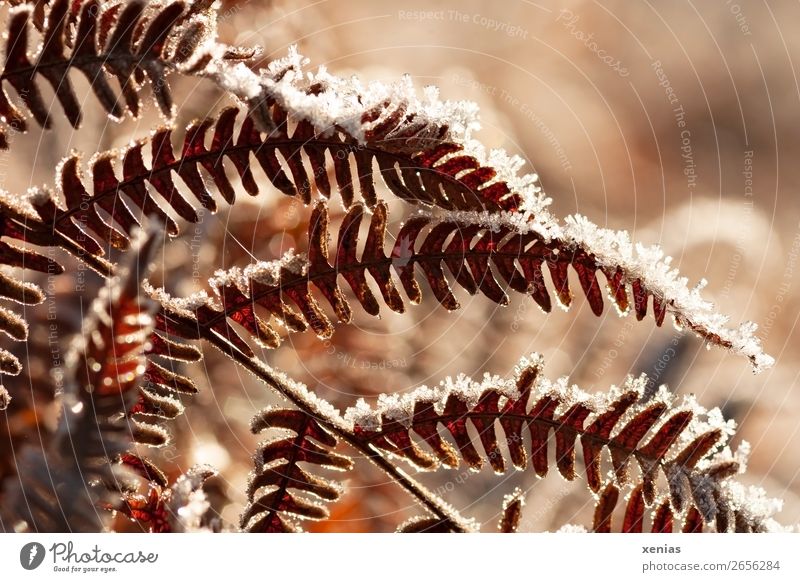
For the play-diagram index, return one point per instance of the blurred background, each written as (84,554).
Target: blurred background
(675,121)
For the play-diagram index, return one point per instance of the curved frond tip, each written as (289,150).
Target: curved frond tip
(483,253)
(529,415)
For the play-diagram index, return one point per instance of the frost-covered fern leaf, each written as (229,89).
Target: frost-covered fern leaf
(127,41)
(422,145)
(164,508)
(274,504)
(13,227)
(110,362)
(415,177)
(487,258)
(102,392)
(682,441)
(423,525)
(662,518)
(745,511)
(425,154)
(512,511)
(449,169)
(38,8)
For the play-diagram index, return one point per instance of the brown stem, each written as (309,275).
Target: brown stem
(448,516)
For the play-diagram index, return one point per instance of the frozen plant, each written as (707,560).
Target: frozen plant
(475,222)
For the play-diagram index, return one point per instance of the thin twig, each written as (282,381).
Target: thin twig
(448,515)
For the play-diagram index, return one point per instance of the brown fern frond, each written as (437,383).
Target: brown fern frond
(125,42)
(38,8)
(272,506)
(26,293)
(402,172)
(512,511)
(106,367)
(665,518)
(480,258)
(423,525)
(110,364)
(662,519)
(678,441)
(165,508)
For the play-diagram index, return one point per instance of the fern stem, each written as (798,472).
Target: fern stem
(336,424)
(335,148)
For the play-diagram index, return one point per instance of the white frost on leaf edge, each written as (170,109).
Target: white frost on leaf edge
(343,104)
(614,249)
(181,305)
(400,407)
(265,272)
(753,502)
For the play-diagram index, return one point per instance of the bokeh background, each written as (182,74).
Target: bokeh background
(676,121)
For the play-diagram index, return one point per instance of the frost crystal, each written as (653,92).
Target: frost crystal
(572,529)
(754,504)
(181,305)
(265,272)
(401,407)
(613,249)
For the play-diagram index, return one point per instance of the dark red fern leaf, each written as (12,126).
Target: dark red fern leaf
(116,40)
(663,518)
(276,152)
(604,507)
(693,522)
(423,525)
(101,411)
(164,508)
(11,288)
(634,512)
(666,517)
(111,364)
(478,259)
(512,512)
(273,506)
(649,437)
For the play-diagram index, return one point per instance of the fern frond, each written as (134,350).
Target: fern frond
(422,145)
(109,40)
(180,507)
(684,442)
(481,256)
(272,506)
(415,176)
(441,132)
(106,367)
(662,519)
(423,525)
(512,511)
(26,293)
(734,514)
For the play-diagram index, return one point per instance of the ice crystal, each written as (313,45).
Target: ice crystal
(612,249)
(753,502)
(181,305)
